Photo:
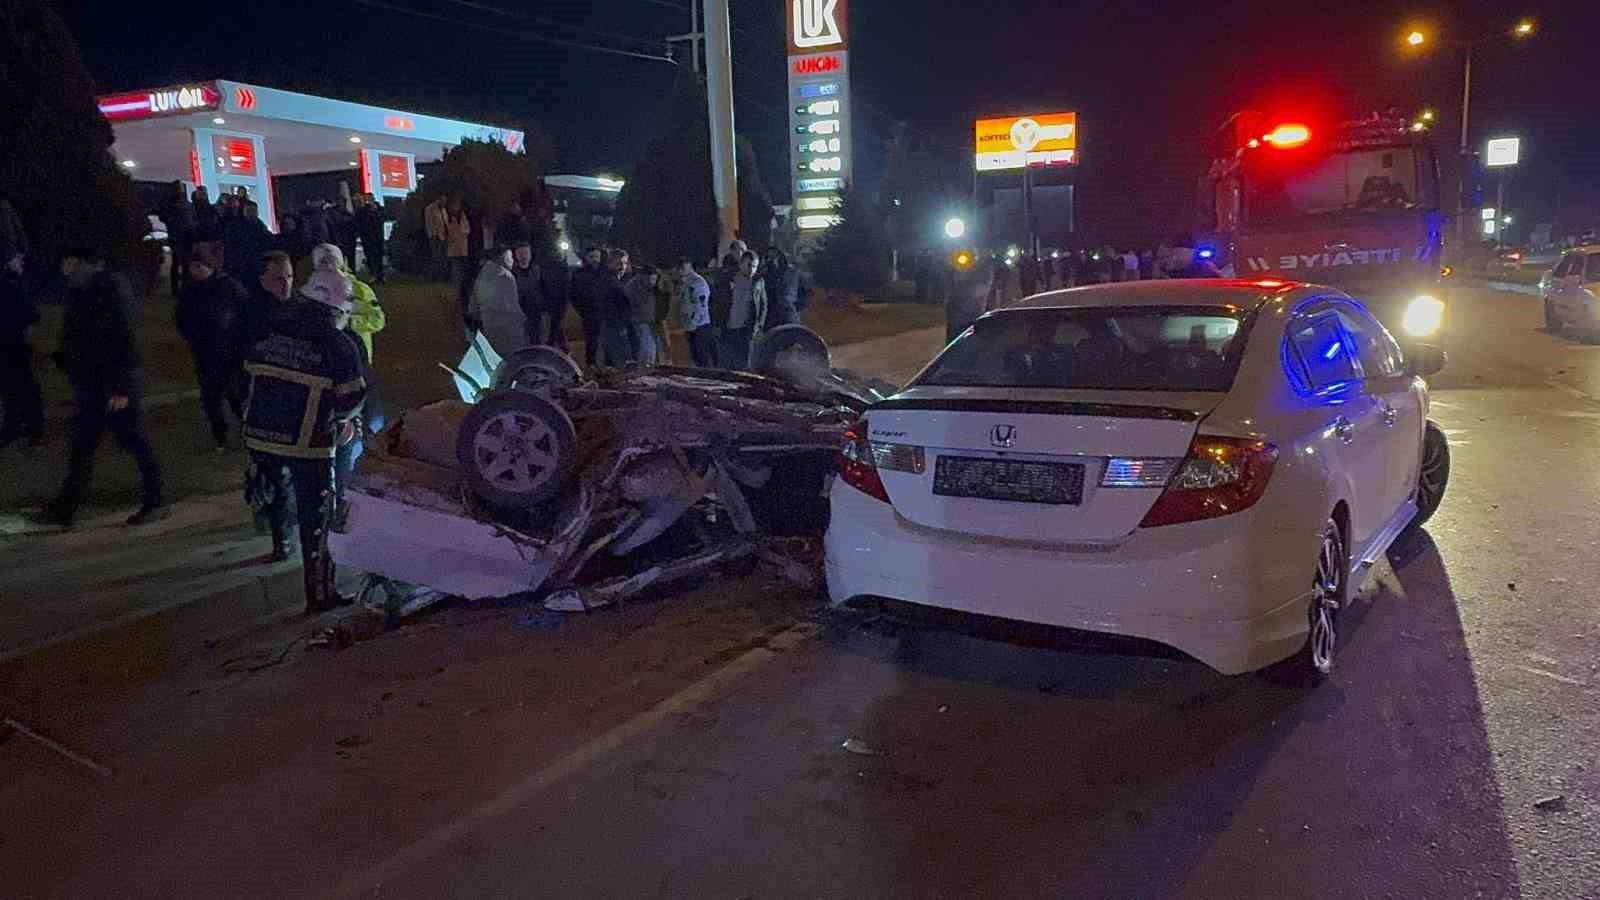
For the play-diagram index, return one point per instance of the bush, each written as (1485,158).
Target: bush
(488,177)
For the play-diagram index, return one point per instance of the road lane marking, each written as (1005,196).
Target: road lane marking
(370,881)
(1561,678)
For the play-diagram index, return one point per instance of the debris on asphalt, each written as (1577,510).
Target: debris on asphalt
(585,490)
(354,740)
(861,748)
(45,742)
(1511,585)
(1552,803)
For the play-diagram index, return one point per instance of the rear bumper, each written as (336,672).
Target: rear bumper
(1199,588)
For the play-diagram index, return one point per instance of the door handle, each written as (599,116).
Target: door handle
(1390,415)
(1343,429)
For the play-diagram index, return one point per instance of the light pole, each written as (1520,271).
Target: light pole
(1416,38)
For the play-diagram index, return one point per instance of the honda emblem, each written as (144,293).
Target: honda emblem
(1003,435)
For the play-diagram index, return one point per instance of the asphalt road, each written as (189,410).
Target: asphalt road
(695,746)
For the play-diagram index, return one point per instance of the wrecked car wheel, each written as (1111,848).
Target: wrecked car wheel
(532,367)
(794,353)
(516,449)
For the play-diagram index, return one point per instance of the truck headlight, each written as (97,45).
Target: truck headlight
(1423,316)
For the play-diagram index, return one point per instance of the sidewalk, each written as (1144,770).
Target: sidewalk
(204,567)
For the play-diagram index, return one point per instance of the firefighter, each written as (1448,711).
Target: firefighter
(306,390)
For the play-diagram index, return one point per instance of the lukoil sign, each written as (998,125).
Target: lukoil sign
(1016,142)
(163,102)
(816,23)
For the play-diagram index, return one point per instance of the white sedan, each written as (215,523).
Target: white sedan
(1213,465)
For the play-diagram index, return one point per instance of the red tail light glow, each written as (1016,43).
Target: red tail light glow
(1289,134)
(1219,477)
(856,466)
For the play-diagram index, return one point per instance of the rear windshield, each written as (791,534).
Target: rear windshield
(1111,348)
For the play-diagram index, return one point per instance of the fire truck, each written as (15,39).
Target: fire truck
(1356,208)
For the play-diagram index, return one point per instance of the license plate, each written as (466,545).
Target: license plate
(1008,479)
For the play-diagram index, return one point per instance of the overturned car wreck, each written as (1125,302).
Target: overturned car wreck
(582,491)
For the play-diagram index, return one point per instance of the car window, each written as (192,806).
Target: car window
(1593,273)
(1379,354)
(1564,265)
(1107,348)
(1320,341)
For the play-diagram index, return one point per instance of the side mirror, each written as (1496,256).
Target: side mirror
(1424,359)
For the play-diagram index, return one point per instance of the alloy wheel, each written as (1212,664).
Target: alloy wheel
(1326,599)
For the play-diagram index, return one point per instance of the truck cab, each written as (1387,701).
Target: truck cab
(1357,209)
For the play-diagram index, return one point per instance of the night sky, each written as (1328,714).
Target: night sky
(1150,81)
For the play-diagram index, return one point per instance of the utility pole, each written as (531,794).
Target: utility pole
(692,38)
(719,103)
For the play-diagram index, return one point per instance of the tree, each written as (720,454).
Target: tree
(667,209)
(920,192)
(488,177)
(56,166)
(755,201)
(853,255)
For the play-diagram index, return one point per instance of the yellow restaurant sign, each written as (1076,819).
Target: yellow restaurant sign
(1020,141)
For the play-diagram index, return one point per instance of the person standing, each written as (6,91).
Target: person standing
(555,283)
(370,219)
(314,227)
(458,249)
(530,291)
(306,392)
(207,223)
(243,238)
(19,390)
(615,331)
(177,213)
(740,313)
(206,314)
(496,308)
(589,294)
(101,358)
(783,289)
(266,299)
(435,221)
(512,228)
(640,321)
(368,317)
(694,314)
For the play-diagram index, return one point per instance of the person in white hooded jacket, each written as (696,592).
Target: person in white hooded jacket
(496,310)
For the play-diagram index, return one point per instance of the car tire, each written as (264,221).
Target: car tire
(516,449)
(794,353)
(1313,663)
(533,367)
(1433,477)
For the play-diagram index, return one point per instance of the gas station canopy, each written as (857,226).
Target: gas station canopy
(234,137)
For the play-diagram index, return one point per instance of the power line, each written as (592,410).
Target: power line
(513,14)
(559,42)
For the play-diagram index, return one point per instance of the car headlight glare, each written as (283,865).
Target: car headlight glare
(1423,316)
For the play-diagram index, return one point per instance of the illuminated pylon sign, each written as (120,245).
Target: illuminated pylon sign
(818,66)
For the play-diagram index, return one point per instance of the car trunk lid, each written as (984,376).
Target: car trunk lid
(1032,464)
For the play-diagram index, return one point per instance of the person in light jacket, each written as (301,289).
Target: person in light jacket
(739,311)
(496,308)
(368,318)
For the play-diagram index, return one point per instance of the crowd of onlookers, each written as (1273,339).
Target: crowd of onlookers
(519,291)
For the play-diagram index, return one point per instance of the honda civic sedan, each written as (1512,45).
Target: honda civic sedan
(1212,465)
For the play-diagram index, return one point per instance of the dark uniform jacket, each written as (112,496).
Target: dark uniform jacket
(207,313)
(98,351)
(305,382)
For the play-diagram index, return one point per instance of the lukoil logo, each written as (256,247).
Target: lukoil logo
(816,23)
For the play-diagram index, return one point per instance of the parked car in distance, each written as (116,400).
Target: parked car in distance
(1570,293)
(1212,465)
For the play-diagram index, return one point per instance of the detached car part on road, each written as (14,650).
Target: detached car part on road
(540,474)
(1212,465)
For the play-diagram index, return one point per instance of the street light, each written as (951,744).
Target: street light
(1524,28)
(955,227)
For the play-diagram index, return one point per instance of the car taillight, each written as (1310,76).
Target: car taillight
(1220,476)
(856,466)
